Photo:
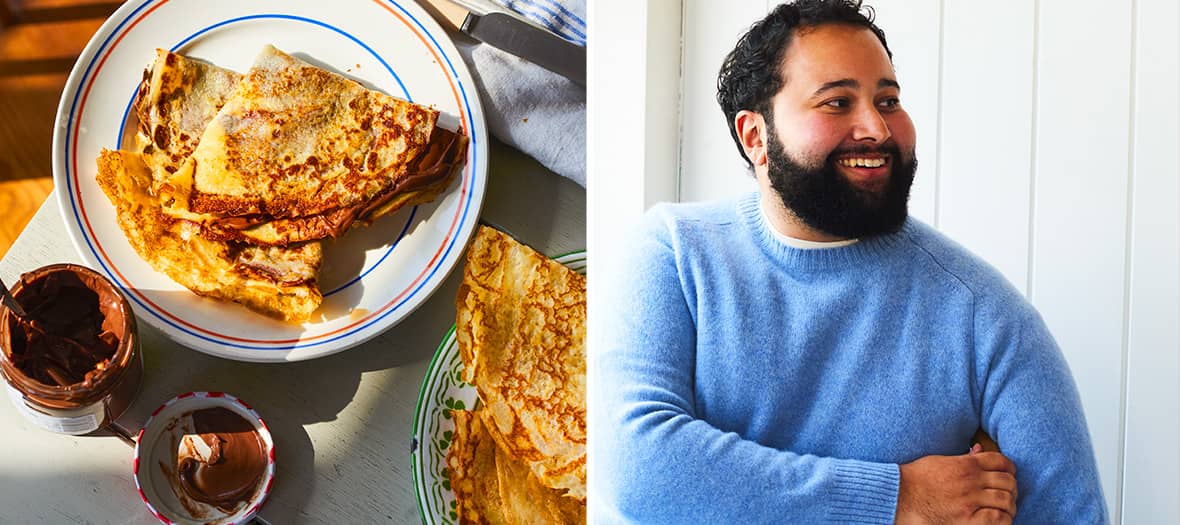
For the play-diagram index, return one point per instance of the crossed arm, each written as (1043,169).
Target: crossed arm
(665,466)
(978,487)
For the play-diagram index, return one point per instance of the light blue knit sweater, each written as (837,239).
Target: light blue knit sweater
(740,380)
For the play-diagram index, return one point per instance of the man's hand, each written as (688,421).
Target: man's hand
(977,487)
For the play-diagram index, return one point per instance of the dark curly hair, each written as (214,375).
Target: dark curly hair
(752,72)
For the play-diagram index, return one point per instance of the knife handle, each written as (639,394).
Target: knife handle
(447,13)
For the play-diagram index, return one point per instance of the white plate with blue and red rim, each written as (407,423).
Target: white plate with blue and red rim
(372,277)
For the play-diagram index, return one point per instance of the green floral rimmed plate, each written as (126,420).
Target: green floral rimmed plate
(443,390)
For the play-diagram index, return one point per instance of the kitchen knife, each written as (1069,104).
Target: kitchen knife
(506,31)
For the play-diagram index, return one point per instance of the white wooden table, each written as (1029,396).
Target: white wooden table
(341,424)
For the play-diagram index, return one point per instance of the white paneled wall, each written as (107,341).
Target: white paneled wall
(1081,164)
(1049,133)
(634,70)
(710,30)
(987,108)
(1152,429)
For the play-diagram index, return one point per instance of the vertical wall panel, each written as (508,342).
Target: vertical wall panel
(711,166)
(987,119)
(661,101)
(1080,204)
(631,166)
(1151,480)
(912,31)
(618,80)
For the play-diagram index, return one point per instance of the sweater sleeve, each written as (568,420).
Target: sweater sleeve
(654,461)
(1031,406)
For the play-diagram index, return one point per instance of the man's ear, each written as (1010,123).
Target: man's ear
(751,131)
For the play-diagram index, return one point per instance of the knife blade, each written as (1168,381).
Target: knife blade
(529,42)
(486,21)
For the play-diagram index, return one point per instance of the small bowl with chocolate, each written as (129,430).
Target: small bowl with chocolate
(71,360)
(204,457)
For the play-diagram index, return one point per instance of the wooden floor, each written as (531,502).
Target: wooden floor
(39,41)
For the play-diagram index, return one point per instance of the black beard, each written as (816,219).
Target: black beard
(828,202)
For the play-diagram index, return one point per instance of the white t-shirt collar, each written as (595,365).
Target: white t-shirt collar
(802,244)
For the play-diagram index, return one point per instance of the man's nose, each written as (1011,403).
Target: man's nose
(870,126)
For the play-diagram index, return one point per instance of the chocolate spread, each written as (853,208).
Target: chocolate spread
(72,363)
(445,150)
(228,470)
(62,340)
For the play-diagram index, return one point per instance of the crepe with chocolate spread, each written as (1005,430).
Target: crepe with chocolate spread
(299,153)
(277,281)
(521,328)
(233,178)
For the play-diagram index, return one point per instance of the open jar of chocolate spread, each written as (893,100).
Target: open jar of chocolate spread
(72,364)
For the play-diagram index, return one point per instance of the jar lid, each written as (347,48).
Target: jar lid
(204,457)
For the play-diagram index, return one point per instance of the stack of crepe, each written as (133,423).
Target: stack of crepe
(236,178)
(520,456)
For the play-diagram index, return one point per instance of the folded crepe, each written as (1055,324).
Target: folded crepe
(282,163)
(492,487)
(471,468)
(525,500)
(177,99)
(276,281)
(521,328)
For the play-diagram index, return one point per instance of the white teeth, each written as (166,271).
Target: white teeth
(859,162)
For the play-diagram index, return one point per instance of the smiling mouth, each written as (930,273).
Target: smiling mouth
(863,162)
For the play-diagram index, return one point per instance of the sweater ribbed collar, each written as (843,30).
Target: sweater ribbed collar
(866,250)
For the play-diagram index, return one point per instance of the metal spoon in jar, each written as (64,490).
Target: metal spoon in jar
(23,317)
(10,301)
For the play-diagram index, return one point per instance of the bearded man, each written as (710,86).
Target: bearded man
(809,353)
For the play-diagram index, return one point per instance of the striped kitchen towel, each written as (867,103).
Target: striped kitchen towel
(531,108)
